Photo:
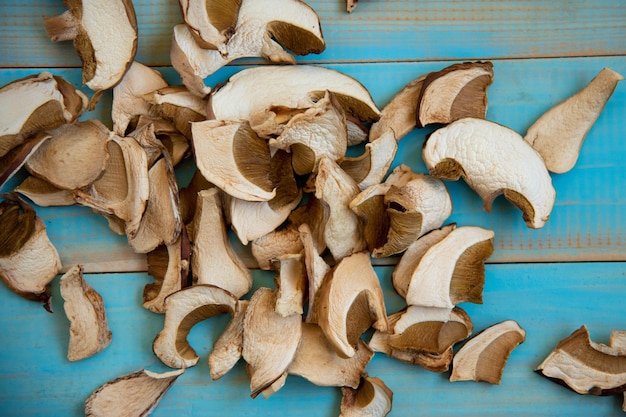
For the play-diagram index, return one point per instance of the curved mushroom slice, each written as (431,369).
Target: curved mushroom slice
(132,395)
(270,247)
(44,194)
(408,263)
(262,27)
(399,114)
(84,307)
(290,285)
(211,22)
(228,348)
(165,138)
(451,271)
(510,166)
(293,86)
(36,103)
(454,93)
(586,367)
(124,187)
(178,105)
(269,340)
(319,131)
(336,189)
(559,133)
(349,301)
(371,167)
(28,260)
(369,205)
(183,310)
(484,356)
(253,219)
(104,35)
(317,361)
(128,101)
(188,196)
(230,155)
(213,259)
(15,158)
(316,269)
(372,398)
(74,157)
(169,266)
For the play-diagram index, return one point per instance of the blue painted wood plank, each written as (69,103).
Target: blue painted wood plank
(548,300)
(587,223)
(379,30)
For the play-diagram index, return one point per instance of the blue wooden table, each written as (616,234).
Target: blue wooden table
(552,281)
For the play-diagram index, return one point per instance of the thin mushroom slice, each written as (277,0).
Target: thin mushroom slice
(84,307)
(293,86)
(372,398)
(133,395)
(262,27)
(290,285)
(317,361)
(36,103)
(230,155)
(372,166)
(269,340)
(183,310)
(586,367)
(511,167)
(336,189)
(452,271)
(28,260)
(166,138)
(350,301)
(454,93)
(266,249)
(228,348)
(213,259)
(74,157)
(399,114)
(128,101)
(316,269)
(178,105)
(15,158)
(169,266)
(484,356)
(188,197)
(559,133)
(44,194)
(211,23)
(104,35)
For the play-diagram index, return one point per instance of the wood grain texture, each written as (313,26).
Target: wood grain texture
(549,301)
(378,31)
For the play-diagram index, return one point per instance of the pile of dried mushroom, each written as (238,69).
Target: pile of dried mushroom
(274,169)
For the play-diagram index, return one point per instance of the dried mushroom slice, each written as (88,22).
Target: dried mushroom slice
(319,131)
(290,285)
(133,395)
(451,271)
(586,367)
(74,157)
(128,101)
(15,159)
(372,166)
(317,361)
(213,259)
(512,167)
(178,105)
(104,35)
(484,356)
(269,340)
(559,133)
(231,156)
(183,310)
(454,93)
(316,269)
(210,22)
(43,193)
(336,189)
(372,398)
(262,27)
(28,260)
(349,302)
(399,114)
(293,86)
(84,307)
(188,196)
(228,348)
(169,266)
(36,103)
